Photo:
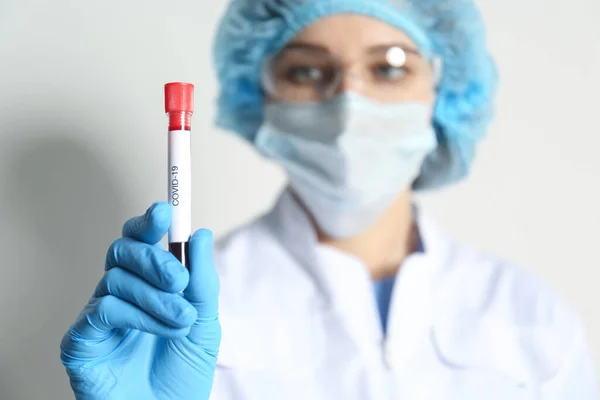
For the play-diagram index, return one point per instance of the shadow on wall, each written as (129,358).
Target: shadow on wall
(68,211)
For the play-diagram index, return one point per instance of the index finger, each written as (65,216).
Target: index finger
(203,288)
(203,291)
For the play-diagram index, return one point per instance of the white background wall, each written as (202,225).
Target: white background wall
(82,148)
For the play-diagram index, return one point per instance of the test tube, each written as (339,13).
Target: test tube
(179,106)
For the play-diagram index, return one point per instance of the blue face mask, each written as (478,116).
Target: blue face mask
(348,158)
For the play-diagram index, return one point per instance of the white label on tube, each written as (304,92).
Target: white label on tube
(180,186)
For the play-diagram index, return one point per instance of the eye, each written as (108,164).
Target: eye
(388,72)
(304,74)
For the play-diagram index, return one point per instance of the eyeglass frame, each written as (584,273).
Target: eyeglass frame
(435,62)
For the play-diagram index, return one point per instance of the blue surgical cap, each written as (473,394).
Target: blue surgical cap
(251,30)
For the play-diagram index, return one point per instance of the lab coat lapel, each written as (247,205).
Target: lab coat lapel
(344,284)
(291,225)
(412,302)
(342,280)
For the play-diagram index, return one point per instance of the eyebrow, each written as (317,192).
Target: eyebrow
(373,49)
(305,46)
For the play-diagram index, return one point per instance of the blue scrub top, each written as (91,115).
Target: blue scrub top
(383,293)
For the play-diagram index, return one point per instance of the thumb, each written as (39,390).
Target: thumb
(150,227)
(203,289)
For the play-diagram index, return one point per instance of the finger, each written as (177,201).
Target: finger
(203,289)
(151,263)
(103,315)
(150,227)
(169,308)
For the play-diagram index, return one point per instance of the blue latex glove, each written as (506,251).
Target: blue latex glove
(138,337)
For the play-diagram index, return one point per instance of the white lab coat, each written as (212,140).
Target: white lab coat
(300,322)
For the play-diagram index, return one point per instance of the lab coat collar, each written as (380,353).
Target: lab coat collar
(344,281)
(421,304)
(341,279)
(293,227)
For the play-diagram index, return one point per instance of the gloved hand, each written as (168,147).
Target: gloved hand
(138,337)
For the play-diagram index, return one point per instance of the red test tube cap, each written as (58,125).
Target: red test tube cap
(179,97)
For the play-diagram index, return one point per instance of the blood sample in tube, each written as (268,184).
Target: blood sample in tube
(179,106)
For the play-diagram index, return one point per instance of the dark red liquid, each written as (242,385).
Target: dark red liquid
(181,251)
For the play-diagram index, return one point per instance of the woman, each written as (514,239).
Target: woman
(344,290)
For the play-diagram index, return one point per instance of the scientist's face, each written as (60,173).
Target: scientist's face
(349,117)
(350,53)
